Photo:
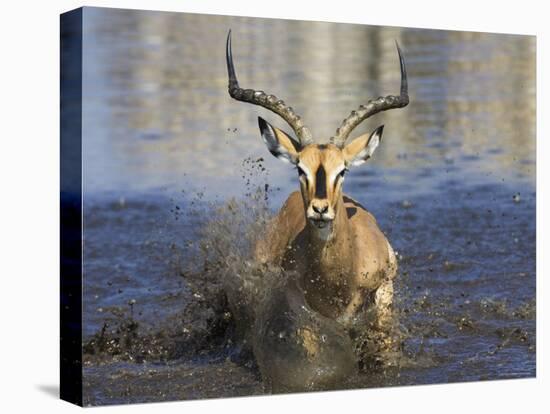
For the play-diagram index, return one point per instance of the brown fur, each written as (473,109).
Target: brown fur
(337,275)
(329,239)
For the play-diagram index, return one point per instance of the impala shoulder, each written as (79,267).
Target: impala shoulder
(294,198)
(293,208)
(280,231)
(357,213)
(290,219)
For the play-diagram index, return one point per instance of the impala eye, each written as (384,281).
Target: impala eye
(342,173)
(301,172)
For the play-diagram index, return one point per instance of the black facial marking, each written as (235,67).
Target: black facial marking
(351,211)
(321,183)
(301,173)
(322,146)
(339,178)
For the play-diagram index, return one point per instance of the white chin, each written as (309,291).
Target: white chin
(322,229)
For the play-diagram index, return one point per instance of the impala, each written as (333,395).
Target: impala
(332,241)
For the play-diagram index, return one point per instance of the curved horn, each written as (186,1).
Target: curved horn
(373,107)
(260,98)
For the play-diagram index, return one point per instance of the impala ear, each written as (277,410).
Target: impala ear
(278,142)
(361,149)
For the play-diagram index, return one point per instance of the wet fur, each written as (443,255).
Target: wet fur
(338,275)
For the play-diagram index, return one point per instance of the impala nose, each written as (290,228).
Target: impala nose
(320,214)
(320,209)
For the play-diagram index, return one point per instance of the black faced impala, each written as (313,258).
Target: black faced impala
(344,260)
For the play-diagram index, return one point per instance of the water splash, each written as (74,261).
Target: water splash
(232,314)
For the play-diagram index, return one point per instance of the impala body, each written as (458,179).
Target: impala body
(330,239)
(334,244)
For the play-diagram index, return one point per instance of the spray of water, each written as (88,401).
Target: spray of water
(252,313)
(295,347)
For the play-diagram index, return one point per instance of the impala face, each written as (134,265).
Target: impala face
(320,168)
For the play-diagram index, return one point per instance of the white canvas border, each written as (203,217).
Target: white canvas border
(29,221)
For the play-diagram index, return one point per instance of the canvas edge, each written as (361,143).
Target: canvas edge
(71,206)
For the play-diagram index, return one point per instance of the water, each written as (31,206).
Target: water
(452,185)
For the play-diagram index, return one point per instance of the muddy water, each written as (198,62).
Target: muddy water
(165,151)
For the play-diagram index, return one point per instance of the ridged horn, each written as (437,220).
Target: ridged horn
(373,107)
(271,102)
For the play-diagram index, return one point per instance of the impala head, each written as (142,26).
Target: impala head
(320,167)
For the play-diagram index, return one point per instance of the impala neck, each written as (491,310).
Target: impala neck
(333,242)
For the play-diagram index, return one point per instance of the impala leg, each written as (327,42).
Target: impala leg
(354,305)
(385,323)
(383,300)
(376,344)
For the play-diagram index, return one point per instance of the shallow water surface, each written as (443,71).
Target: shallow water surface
(452,185)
